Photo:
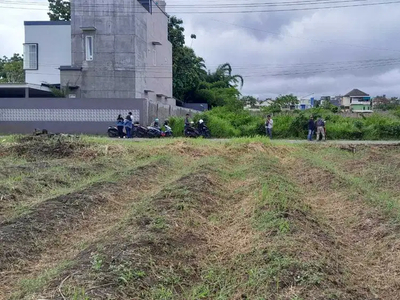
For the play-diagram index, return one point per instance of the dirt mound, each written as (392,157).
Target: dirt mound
(39,147)
(23,238)
(155,251)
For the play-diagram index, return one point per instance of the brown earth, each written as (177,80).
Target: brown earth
(240,220)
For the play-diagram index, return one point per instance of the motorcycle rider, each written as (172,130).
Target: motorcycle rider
(156,123)
(187,123)
(200,126)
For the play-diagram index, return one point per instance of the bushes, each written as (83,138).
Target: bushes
(225,123)
(177,125)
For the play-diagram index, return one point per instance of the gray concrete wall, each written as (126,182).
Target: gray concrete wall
(125,61)
(111,73)
(158,72)
(54,49)
(165,111)
(90,116)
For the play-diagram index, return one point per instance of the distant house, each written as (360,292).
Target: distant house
(305,103)
(336,100)
(380,100)
(357,101)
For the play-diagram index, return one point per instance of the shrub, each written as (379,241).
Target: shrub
(177,125)
(226,122)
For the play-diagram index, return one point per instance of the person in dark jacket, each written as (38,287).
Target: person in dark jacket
(311,128)
(187,123)
(128,126)
(120,126)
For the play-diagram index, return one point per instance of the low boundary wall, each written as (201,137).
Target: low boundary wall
(74,115)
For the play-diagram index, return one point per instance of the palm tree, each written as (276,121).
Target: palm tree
(224,74)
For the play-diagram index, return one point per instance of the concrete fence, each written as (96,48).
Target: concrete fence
(88,116)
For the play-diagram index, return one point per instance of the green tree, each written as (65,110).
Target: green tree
(224,75)
(286,101)
(176,33)
(249,100)
(12,69)
(60,10)
(271,109)
(188,69)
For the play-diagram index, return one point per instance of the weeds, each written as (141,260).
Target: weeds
(97,262)
(196,220)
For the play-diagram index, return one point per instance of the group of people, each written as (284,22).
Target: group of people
(127,125)
(190,125)
(317,127)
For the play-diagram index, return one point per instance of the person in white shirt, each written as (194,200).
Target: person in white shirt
(269,123)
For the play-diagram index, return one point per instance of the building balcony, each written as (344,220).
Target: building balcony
(363,102)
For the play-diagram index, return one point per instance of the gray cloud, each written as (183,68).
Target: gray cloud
(302,58)
(287,52)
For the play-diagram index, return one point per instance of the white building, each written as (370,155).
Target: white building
(305,103)
(47,47)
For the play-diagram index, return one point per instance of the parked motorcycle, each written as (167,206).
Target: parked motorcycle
(202,130)
(113,132)
(168,131)
(139,131)
(153,132)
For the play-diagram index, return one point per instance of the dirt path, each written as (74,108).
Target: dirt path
(367,242)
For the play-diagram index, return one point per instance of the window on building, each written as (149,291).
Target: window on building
(89,47)
(147,4)
(154,57)
(31,56)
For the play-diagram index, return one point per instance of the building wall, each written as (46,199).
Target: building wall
(158,73)
(346,101)
(122,65)
(361,107)
(54,49)
(88,116)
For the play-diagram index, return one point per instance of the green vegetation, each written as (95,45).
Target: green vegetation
(11,69)
(59,10)
(191,81)
(198,219)
(225,122)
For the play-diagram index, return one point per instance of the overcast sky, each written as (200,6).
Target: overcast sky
(320,52)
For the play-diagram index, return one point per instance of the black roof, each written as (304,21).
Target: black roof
(356,92)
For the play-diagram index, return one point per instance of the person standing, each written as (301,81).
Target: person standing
(120,126)
(311,128)
(269,123)
(128,126)
(187,123)
(320,129)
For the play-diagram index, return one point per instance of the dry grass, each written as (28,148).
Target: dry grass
(186,219)
(367,242)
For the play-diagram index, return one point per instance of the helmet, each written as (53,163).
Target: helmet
(201,121)
(156,120)
(191,122)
